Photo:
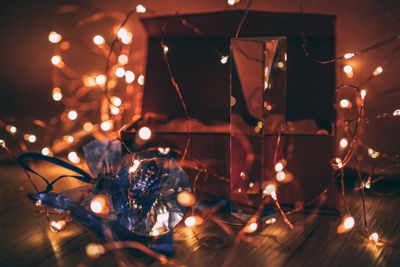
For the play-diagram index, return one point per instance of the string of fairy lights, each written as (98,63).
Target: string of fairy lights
(119,71)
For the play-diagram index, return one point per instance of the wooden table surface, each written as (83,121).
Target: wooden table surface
(25,238)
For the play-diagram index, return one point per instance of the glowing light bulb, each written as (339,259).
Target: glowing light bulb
(2,143)
(270,221)
(373,153)
(99,204)
(163,150)
(114,110)
(348,55)
(30,138)
(116,101)
(396,113)
(345,103)
(127,39)
(57,61)
(56,94)
(378,71)
(140,80)
(107,125)
(224,59)
(101,79)
(123,59)
(280,176)
(251,228)
(73,157)
(134,167)
(374,237)
(54,37)
(343,143)
(165,48)
(88,126)
(367,184)
(120,72)
(339,163)
(57,226)
(72,115)
(233,2)
(129,76)
(269,189)
(348,222)
(69,139)
(89,81)
(46,151)
(11,129)
(99,40)
(363,93)
(348,70)
(122,32)
(186,199)
(94,250)
(144,133)
(193,221)
(279,166)
(140,9)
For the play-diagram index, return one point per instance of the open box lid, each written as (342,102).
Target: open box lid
(205,82)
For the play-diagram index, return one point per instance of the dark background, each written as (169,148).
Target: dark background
(25,72)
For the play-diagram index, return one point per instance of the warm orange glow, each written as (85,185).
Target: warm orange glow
(363,93)
(57,61)
(72,115)
(192,221)
(100,204)
(164,151)
(269,189)
(345,103)
(30,138)
(123,59)
(279,166)
(343,143)
(140,9)
(46,151)
(54,37)
(250,228)
(107,125)
(11,129)
(114,110)
(69,139)
(120,72)
(348,70)
(346,225)
(88,126)
(57,95)
(129,76)
(374,237)
(94,250)
(144,133)
(186,199)
(89,81)
(373,153)
(73,157)
(348,222)
(348,55)
(378,71)
(101,79)
(140,80)
(280,176)
(116,101)
(99,40)
(57,226)
(270,221)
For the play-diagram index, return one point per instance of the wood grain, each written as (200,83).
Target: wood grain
(25,238)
